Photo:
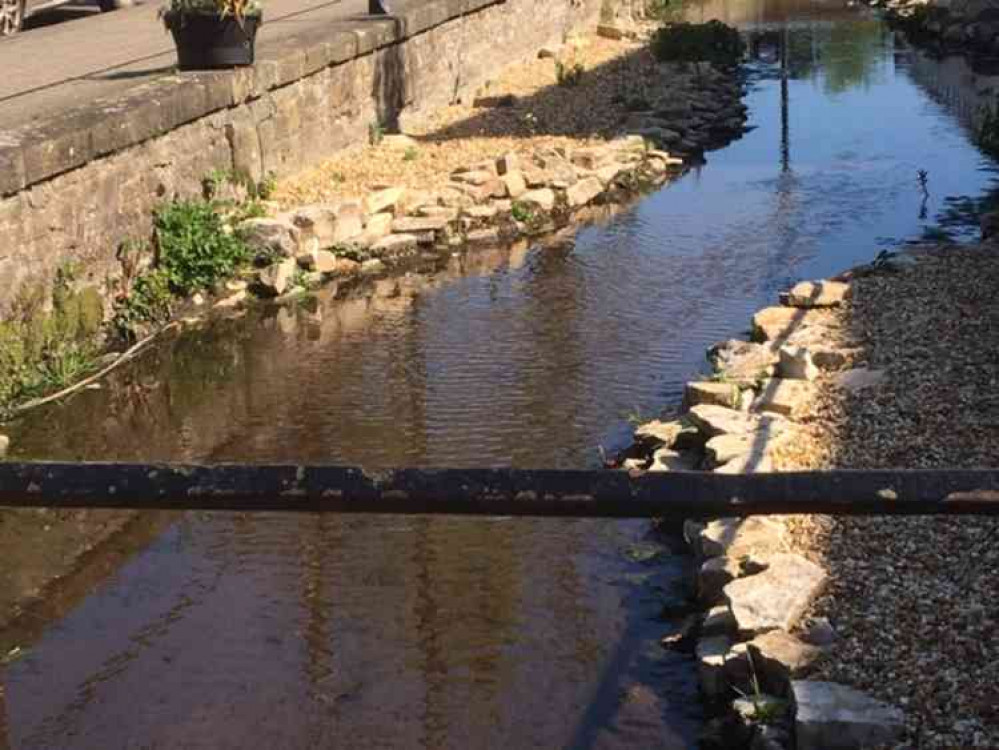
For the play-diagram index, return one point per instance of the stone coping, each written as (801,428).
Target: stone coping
(66,141)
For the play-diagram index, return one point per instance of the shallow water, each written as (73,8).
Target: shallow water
(236,631)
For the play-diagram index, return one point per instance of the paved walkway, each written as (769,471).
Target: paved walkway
(53,68)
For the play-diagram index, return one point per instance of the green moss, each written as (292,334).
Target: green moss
(44,351)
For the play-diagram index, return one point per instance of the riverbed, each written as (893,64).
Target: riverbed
(271,631)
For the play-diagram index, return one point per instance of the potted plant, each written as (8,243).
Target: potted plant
(213,33)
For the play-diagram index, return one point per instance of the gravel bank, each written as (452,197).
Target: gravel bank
(915,601)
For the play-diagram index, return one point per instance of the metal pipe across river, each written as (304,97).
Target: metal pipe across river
(502,492)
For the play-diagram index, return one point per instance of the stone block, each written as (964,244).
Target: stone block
(583,191)
(543,199)
(416,224)
(713,421)
(796,364)
(270,237)
(711,392)
(667,459)
(395,244)
(710,654)
(785,397)
(829,716)
(275,279)
(383,200)
(514,183)
(779,324)
(818,294)
(777,596)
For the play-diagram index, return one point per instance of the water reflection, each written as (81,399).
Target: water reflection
(269,631)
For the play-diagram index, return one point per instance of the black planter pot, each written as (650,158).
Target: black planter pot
(208,41)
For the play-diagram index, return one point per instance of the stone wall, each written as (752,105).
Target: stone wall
(74,188)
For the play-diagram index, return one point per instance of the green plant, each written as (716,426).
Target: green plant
(713,42)
(376,132)
(42,351)
(522,212)
(568,75)
(411,154)
(149,302)
(238,9)
(193,247)
(266,186)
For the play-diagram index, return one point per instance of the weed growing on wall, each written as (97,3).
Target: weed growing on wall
(195,248)
(42,351)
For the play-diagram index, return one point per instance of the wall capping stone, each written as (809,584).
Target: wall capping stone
(64,142)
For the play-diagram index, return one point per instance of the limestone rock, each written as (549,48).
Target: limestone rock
(711,392)
(488,234)
(739,537)
(657,432)
(480,213)
(514,183)
(275,279)
(378,225)
(395,244)
(818,294)
(383,200)
(748,446)
(711,654)
(543,198)
(270,237)
(859,378)
(743,362)
(583,191)
(608,174)
(475,177)
(777,656)
(796,364)
(780,323)
(233,300)
(785,397)
(417,224)
(328,263)
(829,716)
(592,158)
(777,596)
(330,224)
(718,621)
(747,464)
(714,420)
(667,459)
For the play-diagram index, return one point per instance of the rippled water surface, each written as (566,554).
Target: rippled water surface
(239,631)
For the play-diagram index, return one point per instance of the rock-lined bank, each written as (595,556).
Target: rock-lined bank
(954,27)
(755,649)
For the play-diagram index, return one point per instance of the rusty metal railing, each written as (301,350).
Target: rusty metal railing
(506,492)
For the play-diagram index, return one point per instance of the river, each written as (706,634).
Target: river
(272,631)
